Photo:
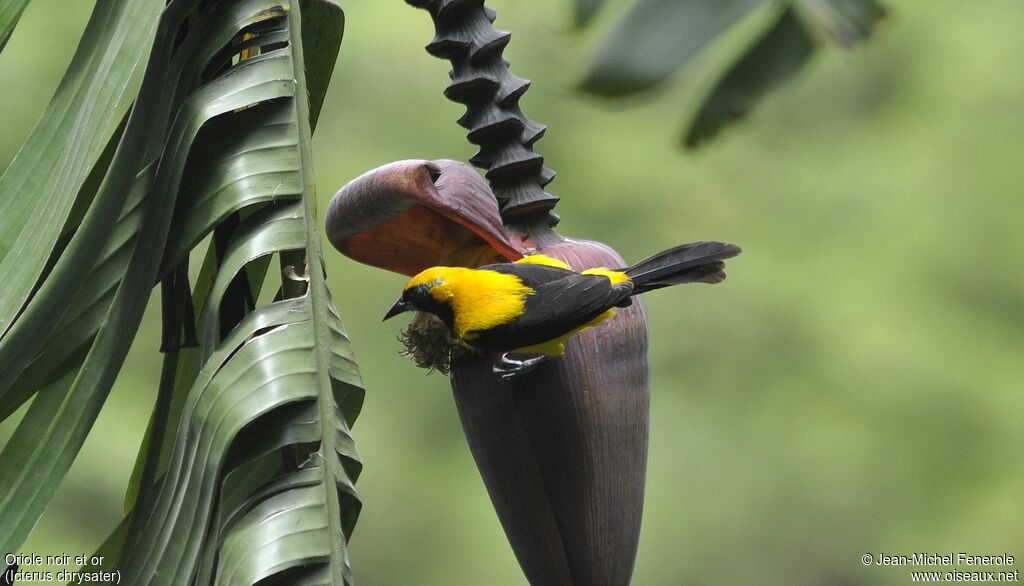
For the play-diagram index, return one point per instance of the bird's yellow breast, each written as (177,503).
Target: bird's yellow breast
(480,299)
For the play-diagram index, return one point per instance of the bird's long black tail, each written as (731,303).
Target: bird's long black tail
(697,262)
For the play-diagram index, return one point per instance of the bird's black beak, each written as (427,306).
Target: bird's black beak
(400,306)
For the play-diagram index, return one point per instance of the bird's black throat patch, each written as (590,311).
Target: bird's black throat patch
(422,300)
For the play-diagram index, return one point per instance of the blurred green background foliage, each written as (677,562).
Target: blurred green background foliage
(855,386)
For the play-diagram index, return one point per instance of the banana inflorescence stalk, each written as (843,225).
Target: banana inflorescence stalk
(482,81)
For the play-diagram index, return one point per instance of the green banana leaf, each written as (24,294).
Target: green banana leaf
(251,428)
(10,13)
(776,57)
(39,188)
(657,38)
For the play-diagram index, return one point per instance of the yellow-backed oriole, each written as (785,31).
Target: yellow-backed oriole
(533,305)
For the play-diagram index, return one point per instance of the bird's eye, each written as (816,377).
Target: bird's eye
(417,294)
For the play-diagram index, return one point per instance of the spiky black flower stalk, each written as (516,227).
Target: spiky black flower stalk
(482,81)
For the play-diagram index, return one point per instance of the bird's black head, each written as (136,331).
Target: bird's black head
(418,297)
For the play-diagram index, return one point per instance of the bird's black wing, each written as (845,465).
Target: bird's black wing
(562,301)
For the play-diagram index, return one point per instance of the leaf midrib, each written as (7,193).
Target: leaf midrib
(319,304)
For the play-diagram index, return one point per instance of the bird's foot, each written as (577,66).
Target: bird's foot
(509,368)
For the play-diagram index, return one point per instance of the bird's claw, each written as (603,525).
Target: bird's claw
(510,368)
